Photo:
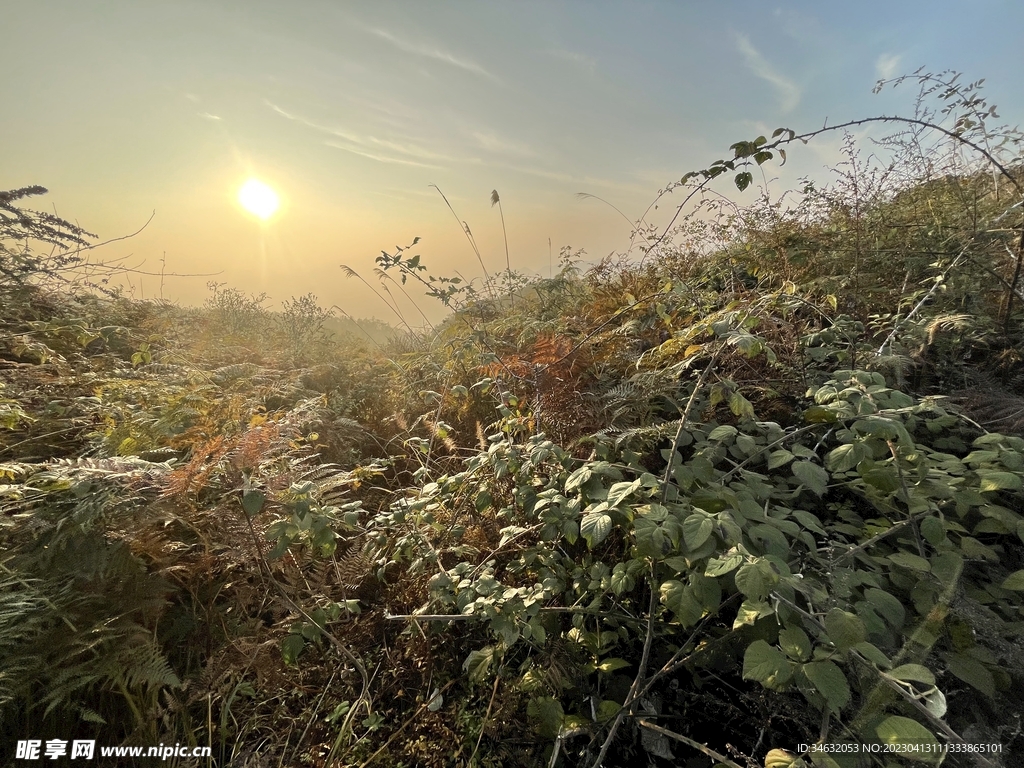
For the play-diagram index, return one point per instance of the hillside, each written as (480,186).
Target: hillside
(756,484)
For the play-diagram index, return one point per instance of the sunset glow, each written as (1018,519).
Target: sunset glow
(258,199)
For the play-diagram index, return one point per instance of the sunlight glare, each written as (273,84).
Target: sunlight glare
(259,199)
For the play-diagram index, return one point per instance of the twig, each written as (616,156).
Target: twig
(406,724)
(640,674)
(483,725)
(643,723)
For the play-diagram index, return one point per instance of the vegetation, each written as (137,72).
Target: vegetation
(758,482)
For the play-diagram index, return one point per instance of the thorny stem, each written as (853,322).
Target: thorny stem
(640,674)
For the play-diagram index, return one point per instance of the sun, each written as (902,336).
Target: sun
(258,199)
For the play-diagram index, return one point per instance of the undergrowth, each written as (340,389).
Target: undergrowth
(755,483)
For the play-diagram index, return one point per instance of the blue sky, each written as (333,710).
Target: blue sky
(352,110)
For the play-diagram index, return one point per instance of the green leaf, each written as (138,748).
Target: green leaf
(622,580)
(548,713)
(607,709)
(998,481)
(291,646)
(610,665)
(678,599)
(913,562)
(933,531)
(795,643)
(972,672)
(845,457)
(873,654)
(913,672)
(890,607)
(253,501)
(595,526)
(756,579)
(478,663)
(719,566)
(811,475)
(750,611)
(844,629)
(1014,581)
(911,739)
(766,664)
(619,491)
(743,180)
(697,529)
(830,681)
(779,458)
(740,406)
(723,432)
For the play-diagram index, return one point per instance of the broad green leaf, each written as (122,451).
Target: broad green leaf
(719,566)
(795,643)
(890,607)
(697,528)
(933,531)
(622,580)
(808,521)
(779,458)
(915,741)
(291,646)
(913,562)
(478,663)
(1014,581)
(873,654)
(607,709)
(771,539)
(845,457)
(723,432)
(830,681)
(750,611)
(766,664)
(610,665)
(595,527)
(740,406)
(972,672)
(844,629)
(998,481)
(756,579)
(253,501)
(913,672)
(706,591)
(619,491)
(548,713)
(678,599)
(811,475)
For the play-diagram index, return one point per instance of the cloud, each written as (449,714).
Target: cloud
(579,59)
(787,90)
(888,65)
(431,53)
(366,142)
(494,143)
(379,158)
(207,116)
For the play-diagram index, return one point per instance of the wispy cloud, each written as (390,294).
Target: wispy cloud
(787,90)
(207,116)
(431,52)
(378,158)
(888,64)
(363,143)
(579,59)
(492,142)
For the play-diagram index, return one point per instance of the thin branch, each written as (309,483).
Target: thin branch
(644,723)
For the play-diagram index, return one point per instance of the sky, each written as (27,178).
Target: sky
(352,111)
